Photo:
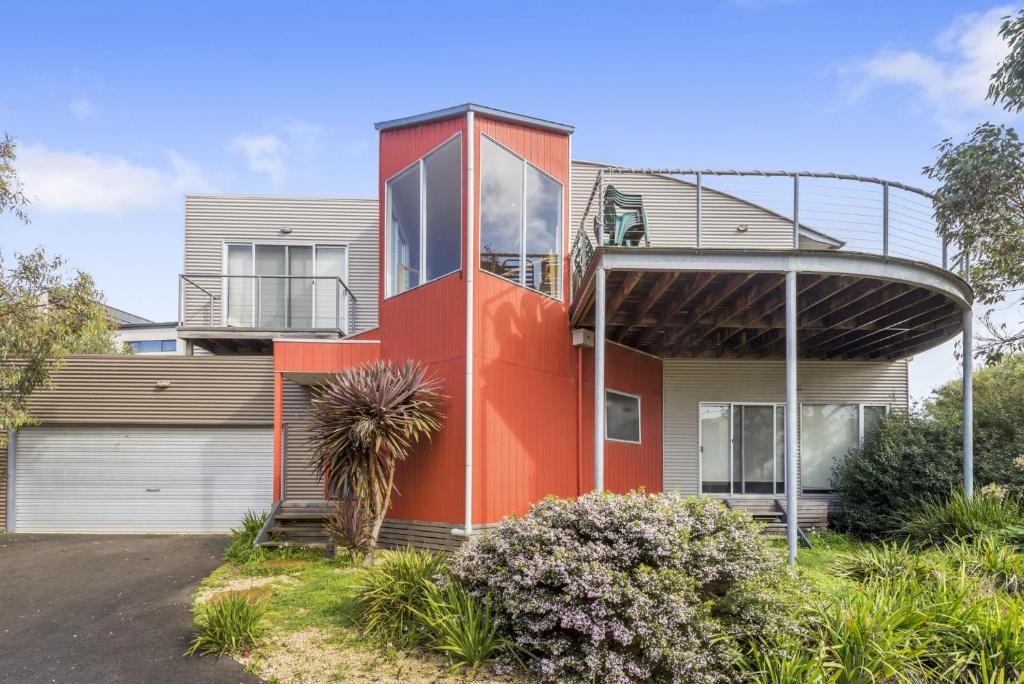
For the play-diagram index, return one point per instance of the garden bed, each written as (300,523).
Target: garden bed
(313,636)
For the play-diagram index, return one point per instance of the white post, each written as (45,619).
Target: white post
(599,409)
(470,266)
(968,402)
(791,417)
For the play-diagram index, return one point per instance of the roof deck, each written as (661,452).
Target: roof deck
(869,285)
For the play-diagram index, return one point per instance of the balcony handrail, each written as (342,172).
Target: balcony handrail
(341,287)
(187,276)
(604,173)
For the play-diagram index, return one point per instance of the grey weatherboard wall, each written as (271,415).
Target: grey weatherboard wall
(212,220)
(689,382)
(126,390)
(671,206)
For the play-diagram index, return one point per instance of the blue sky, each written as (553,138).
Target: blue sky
(120,108)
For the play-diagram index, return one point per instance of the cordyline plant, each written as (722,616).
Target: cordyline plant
(364,421)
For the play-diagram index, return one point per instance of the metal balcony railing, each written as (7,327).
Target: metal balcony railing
(865,214)
(270,302)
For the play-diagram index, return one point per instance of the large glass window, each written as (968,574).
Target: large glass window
(424,215)
(828,432)
(743,446)
(622,417)
(520,220)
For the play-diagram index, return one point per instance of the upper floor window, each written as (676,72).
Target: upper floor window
(153,346)
(423,239)
(520,220)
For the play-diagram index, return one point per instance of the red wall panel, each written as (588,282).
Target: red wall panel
(626,466)
(428,324)
(314,357)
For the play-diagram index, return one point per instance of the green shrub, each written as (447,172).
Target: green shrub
(230,624)
(394,594)
(917,456)
(876,635)
(908,457)
(462,627)
(882,561)
(1012,536)
(959,517)
(241,549)
(990,559)
(630,587)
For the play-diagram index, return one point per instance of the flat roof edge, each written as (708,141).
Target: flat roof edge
(452,112)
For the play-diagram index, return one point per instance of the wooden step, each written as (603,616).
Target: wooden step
(295,514)
(282,544)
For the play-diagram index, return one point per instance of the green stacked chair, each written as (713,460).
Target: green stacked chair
(625,221)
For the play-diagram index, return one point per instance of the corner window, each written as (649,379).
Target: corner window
(520,220)
(424,220)
(622,417)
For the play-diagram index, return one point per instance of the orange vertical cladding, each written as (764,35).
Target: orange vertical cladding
(626,466)
(525,377)
(428,324)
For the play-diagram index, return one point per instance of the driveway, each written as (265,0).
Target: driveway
(102,608)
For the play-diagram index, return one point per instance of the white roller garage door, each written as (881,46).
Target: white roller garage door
(140,479)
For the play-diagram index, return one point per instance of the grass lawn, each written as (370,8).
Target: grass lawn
(313,637)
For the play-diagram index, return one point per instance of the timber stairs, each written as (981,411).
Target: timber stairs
(812,514)
(295,523)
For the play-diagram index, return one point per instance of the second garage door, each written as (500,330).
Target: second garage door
(140,479)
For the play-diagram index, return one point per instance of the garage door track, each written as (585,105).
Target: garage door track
(102,608)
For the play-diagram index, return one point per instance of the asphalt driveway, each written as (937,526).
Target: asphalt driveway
(100,608)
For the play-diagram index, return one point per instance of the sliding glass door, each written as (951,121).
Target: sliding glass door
(742,448)
(285,286)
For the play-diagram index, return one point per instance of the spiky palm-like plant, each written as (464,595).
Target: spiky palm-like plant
(364,421)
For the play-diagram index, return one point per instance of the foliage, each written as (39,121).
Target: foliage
(241,549)
(350,526)
(906,458)
(46,313)
(998,420)
(230,624)
(364,421)
(395,592)
(980,200)
(958,517)
(462,627)
(1007,85)
(883,562)
(628,587)
(919,455)
(987,557)
(12,196)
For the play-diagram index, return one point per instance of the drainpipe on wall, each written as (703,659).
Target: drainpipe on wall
(467,525)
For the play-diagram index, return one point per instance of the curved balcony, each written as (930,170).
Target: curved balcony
(700,269)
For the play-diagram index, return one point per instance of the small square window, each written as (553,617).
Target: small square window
(622,417)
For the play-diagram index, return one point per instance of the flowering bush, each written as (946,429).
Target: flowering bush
(617,588)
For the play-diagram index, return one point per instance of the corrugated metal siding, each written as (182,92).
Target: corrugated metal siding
(688,382)
(300,482)
(3,488)
(427,324)
(671,207)
(140,479)
(212,220)
(203,390)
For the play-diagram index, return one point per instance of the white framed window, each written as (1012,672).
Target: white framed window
(622,417)
(743,451)
(423,213)
(520,220)
(285,285)
(828,432)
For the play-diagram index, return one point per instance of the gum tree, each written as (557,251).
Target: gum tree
(980,200)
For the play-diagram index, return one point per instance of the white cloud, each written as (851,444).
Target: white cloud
(102,184)
(952,79)
(263,153)
(82,108)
